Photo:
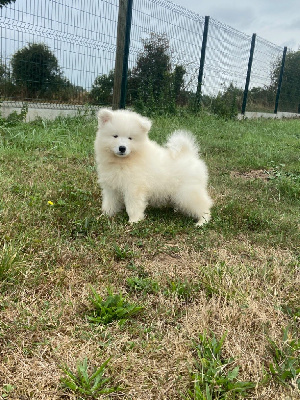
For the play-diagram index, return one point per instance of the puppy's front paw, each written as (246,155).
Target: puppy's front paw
(136,218)
(108,213)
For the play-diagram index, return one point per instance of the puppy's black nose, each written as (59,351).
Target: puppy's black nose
(122,149)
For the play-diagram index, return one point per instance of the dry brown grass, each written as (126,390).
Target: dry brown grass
(152,354)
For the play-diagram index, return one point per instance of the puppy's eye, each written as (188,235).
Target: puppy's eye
(115,136)
(130,138)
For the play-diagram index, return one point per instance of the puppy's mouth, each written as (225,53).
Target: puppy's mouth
(121,151)
(121,154)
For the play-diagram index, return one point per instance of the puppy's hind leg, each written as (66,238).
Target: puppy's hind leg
(203,210)
(195,203)
(204,219)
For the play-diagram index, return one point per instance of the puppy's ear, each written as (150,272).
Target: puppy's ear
(145,124)
(104,115)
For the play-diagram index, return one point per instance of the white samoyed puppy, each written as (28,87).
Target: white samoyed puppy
(134,171)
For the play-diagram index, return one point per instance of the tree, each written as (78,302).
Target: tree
(178,84)
(102,89)
(67,92)
(151,82)
(227,104)
(5,2)
(4,72)
(7,88)
(35,71)
(4,79)
(290,90)
(149,77)
(261,99)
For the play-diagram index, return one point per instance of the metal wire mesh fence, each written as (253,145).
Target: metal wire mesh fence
(53,50)
(63,52)
(262,90)
(182,29)
(227,57)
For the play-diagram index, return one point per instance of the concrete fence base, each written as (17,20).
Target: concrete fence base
(279,115)
(51,111)
(46,111)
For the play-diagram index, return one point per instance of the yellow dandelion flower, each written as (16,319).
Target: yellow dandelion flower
(50,203)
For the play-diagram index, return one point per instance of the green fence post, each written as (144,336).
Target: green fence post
(126,55)
(280,80)
(122,53)
(248,73)
(202,60)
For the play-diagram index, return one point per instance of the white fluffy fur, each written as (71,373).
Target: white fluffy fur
(134,171)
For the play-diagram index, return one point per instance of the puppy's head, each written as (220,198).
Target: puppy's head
(122,132)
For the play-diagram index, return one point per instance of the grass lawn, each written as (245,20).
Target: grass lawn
(92,307)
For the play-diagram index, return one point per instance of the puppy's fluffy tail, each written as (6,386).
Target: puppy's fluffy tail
(181,142)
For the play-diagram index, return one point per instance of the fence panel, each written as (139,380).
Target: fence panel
(81,34)
(179,31)
(227,59)
(262,92)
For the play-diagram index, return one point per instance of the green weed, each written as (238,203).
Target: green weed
(285,367)
(215,377)
(83,383)
(14,118)
(139,270)
(113,308)
(123,252)
(142,285)
(182,289)
(7,389)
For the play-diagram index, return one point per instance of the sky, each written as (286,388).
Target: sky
(276,21)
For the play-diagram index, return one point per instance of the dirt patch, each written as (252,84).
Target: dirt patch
(261,174)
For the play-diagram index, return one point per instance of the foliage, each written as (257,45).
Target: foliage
(7,88)
(285,367)
(4,72)
(153,66)
(215,378)
(155,86)
(122,252)
(8,259)
(261,99)
(178,85)
(227,105)
(152,85)
(5,2)
(82,383)
(65,91)
(113,308)
(290,89)
(7,390)
(142,285)
(14,118)
(36,72)
(102,89)
(183,290)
